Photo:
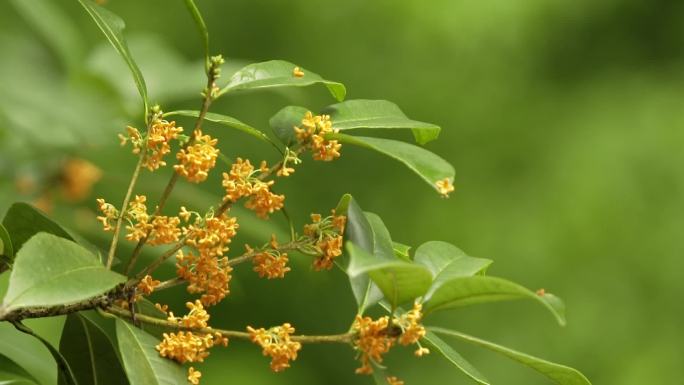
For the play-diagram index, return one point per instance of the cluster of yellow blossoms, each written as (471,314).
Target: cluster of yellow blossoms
(312,133)
(326,234)
(277,344)
(186,346)
(375,338)
(207,272)
(156,144)
(269,262)
(242,181)
(198,158)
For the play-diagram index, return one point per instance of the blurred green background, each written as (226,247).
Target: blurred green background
(564,121)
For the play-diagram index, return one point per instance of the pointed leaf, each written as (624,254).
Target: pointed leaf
(401,250)
(50,270)
(430,167)
(561,374)
(23,221)
(446,262)
(11,373)
(224,120)
(278,73)
(201,27)
(358,230)
(65,376)
(112,26)
(378,114)
(284,121)
(143,364)
(90,353)
(399,281)
(463,291)
(438,345)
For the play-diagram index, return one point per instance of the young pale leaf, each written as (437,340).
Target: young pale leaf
(401,250)
(399,281)
(446,262)
(50,271)
(560,374)
(112,26)
(359,231)
(461,291)
(438,345)
(23,221)
(201,27)
(224,120)
(143,364)
(378,114)
(278,73)
(284,121)
(11,373)
(427,165)
(90,353)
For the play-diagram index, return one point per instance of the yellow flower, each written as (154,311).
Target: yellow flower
(194,376)
(109,214)
(394,381)
(444,187)
(185,347)
(297,72)
(205,274)
(271,263)
(372,341)
(197,159)
(276,343)
(78,177)
(263,201)
(147,285)
(412,329)
(212,236)
(165,230)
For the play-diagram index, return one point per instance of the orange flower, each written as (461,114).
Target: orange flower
(197,159)
(194,376)
(78,177)
(312,133)
(444,187)
(147,285)
(372,341)
(109,214)
(412,329)
(165,230)
(394,381)
(205,274)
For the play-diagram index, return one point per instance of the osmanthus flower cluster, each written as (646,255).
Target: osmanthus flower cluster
(200,241)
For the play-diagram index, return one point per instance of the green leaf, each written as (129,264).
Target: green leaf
(378,114)
(399,281)
(401,250)
(11,373)
(284,121)
(6,249)
(50,271)
(561,374)
(112,26)
(463,291)
(65,375)
(278,73)
(201,27)
(359,231)
(427,165)
(144,365)
(226,121)
(90,353)
(447,262)
(438,345)
(23,221)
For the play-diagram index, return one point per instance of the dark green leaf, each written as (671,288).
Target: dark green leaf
(561,374)
(65,376)
(201,27)
(378,114)
(284,121)
(278,73)
(427,165)
(447,262)
(11,373)
(438,345)
(6,249)
(224,120)
(144,365)
(399,281)
(112,26)
(359,231)
(23,221)
(90,353)
(50,271)
(479,289)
